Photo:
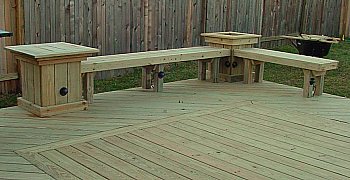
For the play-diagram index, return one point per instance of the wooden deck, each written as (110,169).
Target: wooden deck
(193,130)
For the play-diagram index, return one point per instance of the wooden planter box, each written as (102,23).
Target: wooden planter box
(51,77)
(231,69)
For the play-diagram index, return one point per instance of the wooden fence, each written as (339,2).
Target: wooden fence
(8,66)
(121,26)
(322,17)
(345,19)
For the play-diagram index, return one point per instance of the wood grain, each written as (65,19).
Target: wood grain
(196,129)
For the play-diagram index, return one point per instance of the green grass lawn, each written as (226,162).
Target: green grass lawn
(8,100)
(336,82)
(174,72)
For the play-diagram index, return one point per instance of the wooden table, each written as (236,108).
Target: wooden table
(51,77)
(319,38)
(312,45)
(5,34)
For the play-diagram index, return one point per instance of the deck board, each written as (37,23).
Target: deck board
(90,162)
(182,169)
(274,134)
(236,152)
(113,161)
(137,161)
(252,149)
(23,175)
(174,156)
(193,130)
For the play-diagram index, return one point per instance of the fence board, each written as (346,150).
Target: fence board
(345,19)
(3,67)
(322,17)
(8,66)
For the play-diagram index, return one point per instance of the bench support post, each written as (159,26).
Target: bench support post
(158,82)
(88,87)
(319,82)
(215,70)
(319,85)
(248,71)
(202,68)
(308,87)
(259,71)
(147,77)
(313,88)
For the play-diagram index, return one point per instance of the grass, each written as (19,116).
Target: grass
(337,82)
(174,72)
(8,100)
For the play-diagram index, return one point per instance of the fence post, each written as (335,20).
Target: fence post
(203,19)
(188,32)
(345,19)
(19,22)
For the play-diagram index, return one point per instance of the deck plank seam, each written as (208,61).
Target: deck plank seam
(121,130)
(262,144)
(226,151)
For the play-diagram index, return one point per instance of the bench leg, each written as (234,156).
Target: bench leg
(308,88)
(202,70)
(248,71)
(215,70)
(208,71)
(319,81)
(259,72)
(88,87)
(158,82)
(319,85)
(147,77)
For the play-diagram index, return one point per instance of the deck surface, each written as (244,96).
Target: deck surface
(194,130)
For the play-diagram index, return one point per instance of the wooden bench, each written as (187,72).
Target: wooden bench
(314,68)
(150,61)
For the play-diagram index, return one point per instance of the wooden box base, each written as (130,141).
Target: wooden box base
(51,110)
(226,77)
(231,78)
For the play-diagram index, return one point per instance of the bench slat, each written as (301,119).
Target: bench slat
(295,60)
(120,61)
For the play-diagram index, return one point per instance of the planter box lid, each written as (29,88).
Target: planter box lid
(230,35)
(50,50)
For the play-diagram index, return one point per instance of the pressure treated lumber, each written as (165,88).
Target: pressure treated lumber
(314,68)
(264,129)
(151,62)
(288,59)
(51,77)
(148,58)
(230,69)
(46,51)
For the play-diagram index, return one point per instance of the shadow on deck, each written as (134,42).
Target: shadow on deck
(194,130)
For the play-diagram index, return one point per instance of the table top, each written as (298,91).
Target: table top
(308,37)
(50,50)
(5,33)
(230,35)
